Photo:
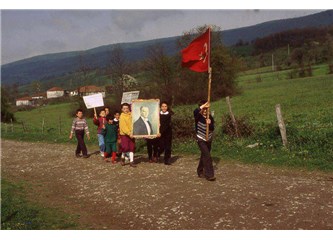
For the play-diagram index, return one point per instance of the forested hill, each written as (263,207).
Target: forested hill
(58,64)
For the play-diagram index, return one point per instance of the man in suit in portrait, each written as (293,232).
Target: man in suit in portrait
(142,126)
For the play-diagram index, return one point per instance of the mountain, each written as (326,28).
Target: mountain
(58,64)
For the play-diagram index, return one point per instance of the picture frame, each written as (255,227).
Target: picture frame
(145,118)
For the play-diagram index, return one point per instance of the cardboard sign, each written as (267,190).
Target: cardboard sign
(95,100)
(129,96)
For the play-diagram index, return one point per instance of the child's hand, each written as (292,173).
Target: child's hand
(208,121)
(103,126)
(206,105)
(88,136)
(158,135)
(131,135)
(95,115)
(70,136)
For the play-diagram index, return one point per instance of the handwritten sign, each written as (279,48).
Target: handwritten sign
(95,100)
(129,96)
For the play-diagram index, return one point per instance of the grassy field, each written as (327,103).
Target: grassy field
(306,104)
(18,213)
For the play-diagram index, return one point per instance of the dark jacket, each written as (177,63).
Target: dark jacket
(139,127)
(110,133)
(165,121)
(201,126)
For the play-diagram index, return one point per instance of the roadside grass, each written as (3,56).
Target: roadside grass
(19,213)
(307,109)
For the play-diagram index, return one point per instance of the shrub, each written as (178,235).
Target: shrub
(244,128)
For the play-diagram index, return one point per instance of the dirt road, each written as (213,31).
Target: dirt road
(156,196)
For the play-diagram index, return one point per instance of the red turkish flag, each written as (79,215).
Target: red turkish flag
(196,55)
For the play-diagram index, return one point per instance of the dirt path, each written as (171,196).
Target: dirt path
(156,196)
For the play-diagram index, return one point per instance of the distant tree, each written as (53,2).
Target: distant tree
(84,70)
(36,86)
(224,65)
(118,68)
(161,69)
(6,113)
(327,52)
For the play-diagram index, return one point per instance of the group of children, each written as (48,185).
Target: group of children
(115,135)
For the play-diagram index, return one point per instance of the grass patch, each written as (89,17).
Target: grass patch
(18,213)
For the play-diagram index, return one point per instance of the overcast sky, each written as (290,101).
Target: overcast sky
(28,33)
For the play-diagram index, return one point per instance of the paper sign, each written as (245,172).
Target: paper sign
(129,96)
(93,101)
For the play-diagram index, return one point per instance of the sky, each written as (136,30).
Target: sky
(31,28)
(27,33)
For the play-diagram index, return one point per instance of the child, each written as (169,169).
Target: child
(152,147)
(107,111)
(205,168)
(110,132)
(100,122)
(79,126)
(165,141)
(126,134)
(116,116)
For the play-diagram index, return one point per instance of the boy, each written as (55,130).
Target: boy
(116,116)
(165,141)
(100,122)
(110,132)
(205,168)
(126,134)
(79,126)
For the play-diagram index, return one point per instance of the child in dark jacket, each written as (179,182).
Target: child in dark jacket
(205,168)
(110,132)
(165,141)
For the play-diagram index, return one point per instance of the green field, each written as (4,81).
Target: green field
(18,213)
(306,104)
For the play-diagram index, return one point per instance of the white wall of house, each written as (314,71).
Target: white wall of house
(24,103)
(54,94)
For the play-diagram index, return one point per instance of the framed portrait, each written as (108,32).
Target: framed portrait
(146,118)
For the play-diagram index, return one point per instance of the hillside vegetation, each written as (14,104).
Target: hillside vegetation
(306,107)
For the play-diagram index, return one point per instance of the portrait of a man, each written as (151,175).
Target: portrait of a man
(145,117)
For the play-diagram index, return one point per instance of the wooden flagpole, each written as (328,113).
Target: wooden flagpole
(209,88)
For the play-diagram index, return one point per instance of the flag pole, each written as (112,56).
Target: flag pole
(209,87)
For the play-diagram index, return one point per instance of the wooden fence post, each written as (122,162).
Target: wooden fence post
(23,126)
(11,124)
(59,124)
(281,124)
(232,115)
(43,123)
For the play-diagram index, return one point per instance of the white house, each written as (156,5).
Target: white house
(74,92)
(38,96)
(90,90)
(25,101)
(55,92)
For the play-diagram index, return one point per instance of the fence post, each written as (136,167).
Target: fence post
(43,123)
(232,115)
(281,124)
(59,124)
(23,126)
(11,124)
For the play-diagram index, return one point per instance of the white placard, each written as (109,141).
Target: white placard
(93,101)
(129,96)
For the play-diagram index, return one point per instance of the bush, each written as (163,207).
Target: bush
(244,129)
(183,125)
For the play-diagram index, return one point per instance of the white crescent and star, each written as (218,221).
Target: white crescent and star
(204,53)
